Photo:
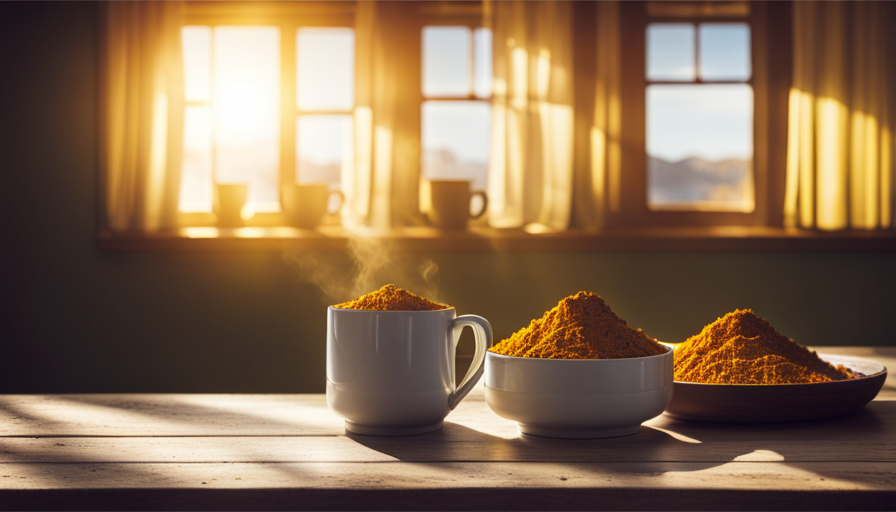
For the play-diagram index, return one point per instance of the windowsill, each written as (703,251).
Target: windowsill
(676,239)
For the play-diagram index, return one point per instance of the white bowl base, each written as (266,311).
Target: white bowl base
(366,430)
(579,433)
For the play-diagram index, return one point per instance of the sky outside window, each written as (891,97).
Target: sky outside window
(725,51)
(325,66)
(231,122)
(699,135)
(455,134)
(670,52)
(246,85)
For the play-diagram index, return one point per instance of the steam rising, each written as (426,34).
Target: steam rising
(372,266)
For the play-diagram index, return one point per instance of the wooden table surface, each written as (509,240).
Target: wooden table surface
(271,452)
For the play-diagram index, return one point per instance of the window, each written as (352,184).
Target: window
(271,98)
(694,98)
(231,123)
(326,96)
(269,101)
(699,105)
(455,110)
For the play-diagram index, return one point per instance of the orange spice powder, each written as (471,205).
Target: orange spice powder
(391,298)
(582,326)
(742,348)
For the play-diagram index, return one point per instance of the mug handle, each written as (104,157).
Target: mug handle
(484,197)
(482,331)
(341,201)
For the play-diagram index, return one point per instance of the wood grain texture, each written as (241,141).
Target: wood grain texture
(749,476)
(158,414)
(244,415)
(598,498)
(276,452)
(428,486)
(867,434)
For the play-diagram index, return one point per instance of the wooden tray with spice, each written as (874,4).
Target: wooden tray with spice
(740,369)
(779,402)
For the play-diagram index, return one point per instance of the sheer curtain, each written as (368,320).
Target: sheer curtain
(841,138)
(531,168)
(141,109)
(597,173)
(383,190)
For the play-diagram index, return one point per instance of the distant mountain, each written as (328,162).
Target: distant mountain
(696,179)
(309,172)
(443,164)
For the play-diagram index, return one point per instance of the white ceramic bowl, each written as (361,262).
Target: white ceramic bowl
(578,398)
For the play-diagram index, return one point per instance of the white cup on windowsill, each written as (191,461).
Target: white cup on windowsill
(306,205)
(230,204)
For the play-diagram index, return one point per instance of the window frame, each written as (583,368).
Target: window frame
(772,30)
(288,18)
(634,210)
(437,14)
(472,22)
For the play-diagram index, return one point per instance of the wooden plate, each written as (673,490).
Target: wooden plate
(784,402)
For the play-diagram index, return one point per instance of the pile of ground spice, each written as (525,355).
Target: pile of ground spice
(581,327)
(391,298)
(742,348)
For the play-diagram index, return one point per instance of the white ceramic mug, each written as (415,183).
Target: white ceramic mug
(447,203)
(230,198)
(306,204)
(392,372)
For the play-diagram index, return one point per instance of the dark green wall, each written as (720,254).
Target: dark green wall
(78,320)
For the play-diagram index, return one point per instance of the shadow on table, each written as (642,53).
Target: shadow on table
(153,414)
(861,436)
(219,415)
(671,445)
(458,443)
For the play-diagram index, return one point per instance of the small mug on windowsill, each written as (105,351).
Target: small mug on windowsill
(307,204)
(446,203)
(230,201)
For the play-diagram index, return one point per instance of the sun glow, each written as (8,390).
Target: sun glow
(243,107)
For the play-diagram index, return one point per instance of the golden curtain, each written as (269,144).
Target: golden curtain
(531,167)
(840,132)
(141,114)
(597,174)
(383,192)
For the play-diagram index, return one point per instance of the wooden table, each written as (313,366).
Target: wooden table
(290,452)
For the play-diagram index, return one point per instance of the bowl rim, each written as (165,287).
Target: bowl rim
(669,351)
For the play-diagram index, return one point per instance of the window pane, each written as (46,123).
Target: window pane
(197,50)
(326,68)
(725,51)
(196,167)
(700,147)
(324,145)
(670,51)
(482,45)
(456,141)
(446,61)
(247,130)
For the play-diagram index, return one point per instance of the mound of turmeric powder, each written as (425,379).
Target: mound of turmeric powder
(391,298)
(582,326)
(742,348)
